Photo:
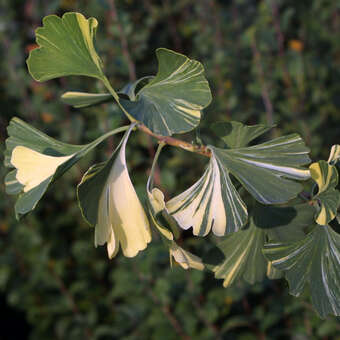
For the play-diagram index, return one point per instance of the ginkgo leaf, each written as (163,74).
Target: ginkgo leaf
(83,99)
(65,48)
(172,101)
(268,171)
(327,198)
(212,203)
(242,256)
(165,224)
(238,135)
(38,160)
(184,258)
(290,222)
(313,260)
(108,201)
(334,156)
(265,170)
(325,175)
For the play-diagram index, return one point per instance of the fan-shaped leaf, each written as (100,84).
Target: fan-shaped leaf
(327,198)
(238,135)
(212,203)
(266,170)
(314,260)
(39,160)
(172,101)
(65,48)
(243,258)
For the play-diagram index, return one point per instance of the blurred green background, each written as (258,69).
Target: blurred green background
(267,62)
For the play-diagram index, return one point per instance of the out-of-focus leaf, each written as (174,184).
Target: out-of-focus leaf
(38,160)
(65,48)
(172,101)
(313,260)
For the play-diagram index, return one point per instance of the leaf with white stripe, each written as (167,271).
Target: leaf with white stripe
(314,260)
(242,256)
(212,203)
(84,99)
(268,171)
(172,101)
(66,47)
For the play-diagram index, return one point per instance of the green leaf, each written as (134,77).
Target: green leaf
(327,198)
(334,155)
(83,99)
(267,170)
(284,223)
(236,134)
(315,261)
(172,101)
(108,201)
(242,256)
(212,203)
(65,48)
(39,160)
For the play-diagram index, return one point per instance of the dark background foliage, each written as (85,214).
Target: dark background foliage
(267,61)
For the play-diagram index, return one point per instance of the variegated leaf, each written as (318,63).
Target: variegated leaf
(65,48)
(172,101)
(268,171)
(83,99)
(334,156)
(212,203)
(38,160)
(238,135)
(165,224)
(313,260)
(108,201)
(265,170)
(327,198)
(242,257)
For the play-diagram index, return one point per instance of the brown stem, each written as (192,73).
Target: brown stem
(164,307)
(201,313)
(264,89)
(202,150)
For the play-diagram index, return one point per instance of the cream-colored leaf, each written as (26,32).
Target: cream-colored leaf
(34,167)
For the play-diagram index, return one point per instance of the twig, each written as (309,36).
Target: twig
(123,41)
(200,311)
(63,289)
(264,89)
(202,150)
(164,307)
